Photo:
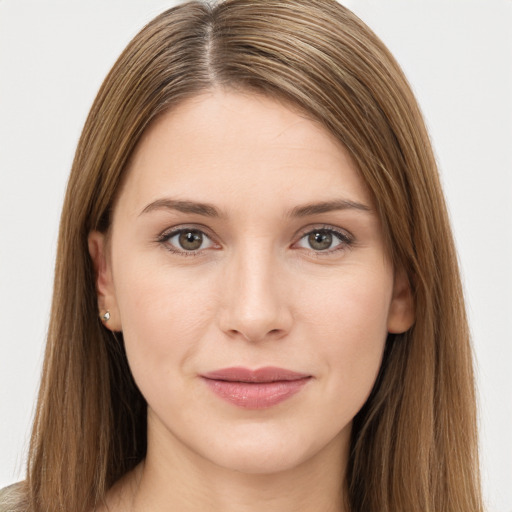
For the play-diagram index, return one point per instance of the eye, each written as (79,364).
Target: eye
(324,239)
(186,240)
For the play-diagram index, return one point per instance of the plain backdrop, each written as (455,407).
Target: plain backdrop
(458,58)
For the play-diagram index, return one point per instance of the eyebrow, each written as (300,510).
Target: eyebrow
(328,206)
(208,210)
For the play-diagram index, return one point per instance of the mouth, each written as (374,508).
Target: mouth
(255,389)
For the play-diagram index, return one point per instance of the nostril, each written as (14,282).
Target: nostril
(256,336)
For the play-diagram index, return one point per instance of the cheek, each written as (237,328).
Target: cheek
(349,328)
(164,315)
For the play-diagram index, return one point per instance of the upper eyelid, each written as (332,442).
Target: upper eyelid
(346,239)
(166,233)
(324,227)
(299,234)
(169,233)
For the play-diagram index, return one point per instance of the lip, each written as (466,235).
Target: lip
(255,389)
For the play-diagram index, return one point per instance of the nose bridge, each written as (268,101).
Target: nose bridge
(255,306)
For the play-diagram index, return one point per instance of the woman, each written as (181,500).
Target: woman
(257,298)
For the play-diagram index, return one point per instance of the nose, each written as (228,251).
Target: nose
(256,304)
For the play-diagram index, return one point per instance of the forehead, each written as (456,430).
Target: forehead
(224,145)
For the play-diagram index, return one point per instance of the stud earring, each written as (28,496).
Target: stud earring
(106,316)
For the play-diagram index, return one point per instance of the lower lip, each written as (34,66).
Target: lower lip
(256,395)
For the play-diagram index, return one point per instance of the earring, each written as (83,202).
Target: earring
(106,316)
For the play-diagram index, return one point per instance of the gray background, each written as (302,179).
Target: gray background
(458,57)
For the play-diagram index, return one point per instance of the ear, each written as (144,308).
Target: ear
(98,250)
(401,311)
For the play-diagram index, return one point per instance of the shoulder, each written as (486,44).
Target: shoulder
(13,498)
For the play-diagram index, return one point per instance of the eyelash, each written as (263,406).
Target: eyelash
(345,240)
(167,235)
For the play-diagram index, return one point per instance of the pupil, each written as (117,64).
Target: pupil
(191,240)
(320,240)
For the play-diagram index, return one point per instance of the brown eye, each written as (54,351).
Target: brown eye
(186,241)
(190,240)
(326,240)
(320,240)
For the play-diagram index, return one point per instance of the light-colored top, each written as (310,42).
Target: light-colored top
(12,498)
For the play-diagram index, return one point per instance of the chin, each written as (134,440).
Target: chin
(261,462)
(262,453)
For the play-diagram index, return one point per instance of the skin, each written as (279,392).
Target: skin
(256,293)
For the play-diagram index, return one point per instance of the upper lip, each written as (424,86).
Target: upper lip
(266,374)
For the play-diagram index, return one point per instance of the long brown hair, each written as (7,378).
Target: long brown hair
(414,445)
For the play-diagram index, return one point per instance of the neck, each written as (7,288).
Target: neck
(180,480)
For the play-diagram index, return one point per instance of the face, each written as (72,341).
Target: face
(247,270)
